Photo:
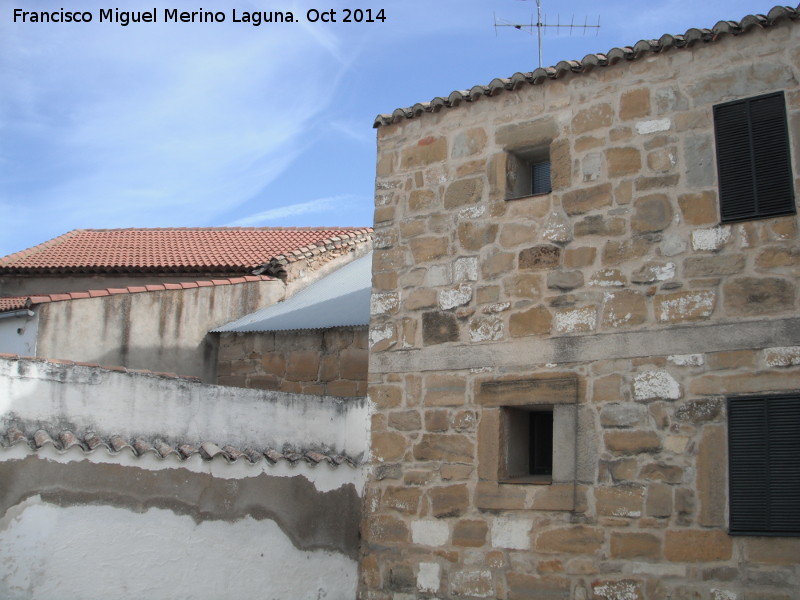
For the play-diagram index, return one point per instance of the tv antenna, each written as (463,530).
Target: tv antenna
(539,25)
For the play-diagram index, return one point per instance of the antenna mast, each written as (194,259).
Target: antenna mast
(540,25)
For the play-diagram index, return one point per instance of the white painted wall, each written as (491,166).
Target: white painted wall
(101,552)
(18,331)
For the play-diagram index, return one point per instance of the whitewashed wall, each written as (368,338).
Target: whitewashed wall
(99,524)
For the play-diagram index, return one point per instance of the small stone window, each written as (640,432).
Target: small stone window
(764,465)
(528,173)
(753,159)
(529,444)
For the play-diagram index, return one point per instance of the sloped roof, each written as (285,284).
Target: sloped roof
(591,61)
(173,250)
(337,300)
(10,303)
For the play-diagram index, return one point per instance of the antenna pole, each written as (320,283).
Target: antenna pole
(540,26)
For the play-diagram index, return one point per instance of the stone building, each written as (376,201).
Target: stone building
(586,365)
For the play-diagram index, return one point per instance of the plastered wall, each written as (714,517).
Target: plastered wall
(92,519)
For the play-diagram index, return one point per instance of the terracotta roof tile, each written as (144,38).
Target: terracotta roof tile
(212,249)
(590,61)
(62,441)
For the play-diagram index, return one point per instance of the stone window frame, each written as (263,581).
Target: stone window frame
(497,491)
(761,501)
(521,167)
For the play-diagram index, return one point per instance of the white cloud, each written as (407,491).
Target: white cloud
(320,205)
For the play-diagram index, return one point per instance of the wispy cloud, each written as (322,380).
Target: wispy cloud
(320,205)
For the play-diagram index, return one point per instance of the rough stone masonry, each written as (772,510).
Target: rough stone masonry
(618,301)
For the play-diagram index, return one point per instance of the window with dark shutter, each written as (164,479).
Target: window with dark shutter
(764,465)
(753,160)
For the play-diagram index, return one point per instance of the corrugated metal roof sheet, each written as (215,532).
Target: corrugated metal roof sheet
(338,300)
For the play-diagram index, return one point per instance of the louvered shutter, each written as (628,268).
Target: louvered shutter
(753,160)
(764,465)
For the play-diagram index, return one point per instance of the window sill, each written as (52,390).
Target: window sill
(529,480)
(529,196)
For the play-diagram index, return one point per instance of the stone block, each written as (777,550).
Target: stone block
(772,550)
(624,415)
(526,391)
(470,533)
(591,118)
(523,285)
(524,586)
(385,396)
(469,142)
(527,134)
(634,104)
(623,161)
(421,201)
(683,307)
(472,583)
(428,577)
(607,389)
(586,199)
(386,529)
(626,500)
(425,249)
(445,447)
(274,363)
(574,320)
(475,235)
(486,329)
(430,532)
(623,308)
(353,363)
(659,500)
(557,496)
(426,151)
(699,208)
(444,390)
(420,298)
(573,539)
(617,589)
(632,442)
(651,213)
(564,280)
(436,420)
(439,328)
(492,496)
(448,501)
(489,444)
(779,257)
(302,366)
(534,321)
(758,295)
(711,477)
(655,385)
(714,265)
(662,472)
(616,252)
(692,545)
(540,257)
(600,225)
(744,383)
(388,446)
(405,420)
(560,164)
(464,192)
(699,412)
(452,472)
(662,160)
(575,258)
(402,499)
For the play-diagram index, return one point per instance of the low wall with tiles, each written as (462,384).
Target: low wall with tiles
(165,487)
(329,362)
(617,302)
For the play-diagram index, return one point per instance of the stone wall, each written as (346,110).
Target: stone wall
(330,362)
(618,301)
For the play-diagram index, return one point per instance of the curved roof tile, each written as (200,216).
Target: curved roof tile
(641,48)
(226,250)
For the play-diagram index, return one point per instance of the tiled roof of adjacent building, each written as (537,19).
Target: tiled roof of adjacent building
(230,250)
(11,303)
(591,61)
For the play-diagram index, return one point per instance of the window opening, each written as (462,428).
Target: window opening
(528,173)
(529,444)
(753,159)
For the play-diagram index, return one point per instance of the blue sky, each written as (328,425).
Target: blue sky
(216,124)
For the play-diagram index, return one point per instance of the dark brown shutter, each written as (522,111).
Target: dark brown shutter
(753,161)
(764,465)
